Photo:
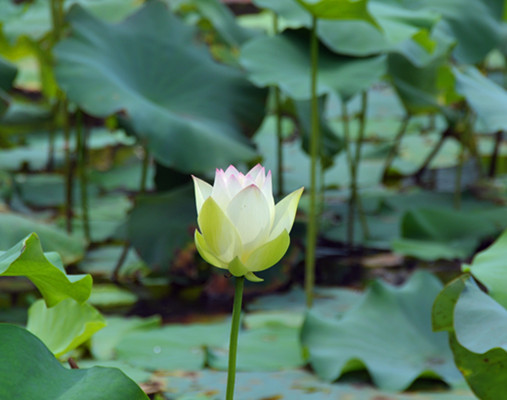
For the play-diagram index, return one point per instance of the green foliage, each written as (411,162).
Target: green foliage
(65,326)
(45,271)
(179,125)
(388,333)
(30,371)
(339,75)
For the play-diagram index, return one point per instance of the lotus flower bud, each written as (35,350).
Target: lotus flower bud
(240,227)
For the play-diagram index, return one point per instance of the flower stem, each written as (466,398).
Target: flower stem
(233,343)
(311,235)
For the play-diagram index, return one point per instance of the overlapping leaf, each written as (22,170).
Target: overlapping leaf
(187,108)
(389,333)
(65,326)
(30,371)
(45,271)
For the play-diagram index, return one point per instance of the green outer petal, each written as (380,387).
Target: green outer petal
(237,268)
(220,234)
(285,212)
(202,192)
(205,253)
(269,253)
(253,278)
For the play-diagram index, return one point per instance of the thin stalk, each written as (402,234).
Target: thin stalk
(419,173)
(311,236)
(394,149)
(494,154)
(279,133)
(69,164)
(81,150)
(459,174)
(352,186)
(233,342)
(357,160)
(142,189)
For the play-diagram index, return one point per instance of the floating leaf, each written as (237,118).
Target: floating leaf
(389,333)
(344,76)
(164,88)
(14,227)
(30,371)
(65,326)
(45,271)
(490,269)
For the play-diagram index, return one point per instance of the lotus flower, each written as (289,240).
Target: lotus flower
(240,228)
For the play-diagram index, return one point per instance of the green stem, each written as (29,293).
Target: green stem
(396,145)
(311,236)
(81,151)
(352,172)
(144,171)
(233,343)
(357,160)
(279,133)
(459,174)
(69,163)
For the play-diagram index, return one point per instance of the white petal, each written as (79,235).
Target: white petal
(230,171)
(249,213)
(285,212)
(234,186)
(219,192)
(257,173)
(267,190)
(202,192)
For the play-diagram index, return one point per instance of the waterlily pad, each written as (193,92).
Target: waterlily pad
(102,261)
(65,326)
(103,343)
(442,233)
(485,97)
(14,227)
(45,271)
(110,296)
(345,76)
(389,333)
(175,347)
(272,347)
(157,242)
(24,356)
(179,124)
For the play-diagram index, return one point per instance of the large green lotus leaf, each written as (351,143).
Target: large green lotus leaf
(288,385)
(431,234)
(421,89)
(271,347)
(388,332)
(330,143)
(464,23)
(45,270)
(30,371)
(402,28)
(161,224)
(173,347)
(64,327)
(103,343)
(489,267)
(480,324)
(339,9)
(345,76)
(14,227)
(485,97)
(33,19)
(221,18)
(188,109)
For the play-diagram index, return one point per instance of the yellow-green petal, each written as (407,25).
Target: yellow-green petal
(219,233)
(253,278)
(285,212)
(204,251)
(237,268)
(268,254)
(202,192)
